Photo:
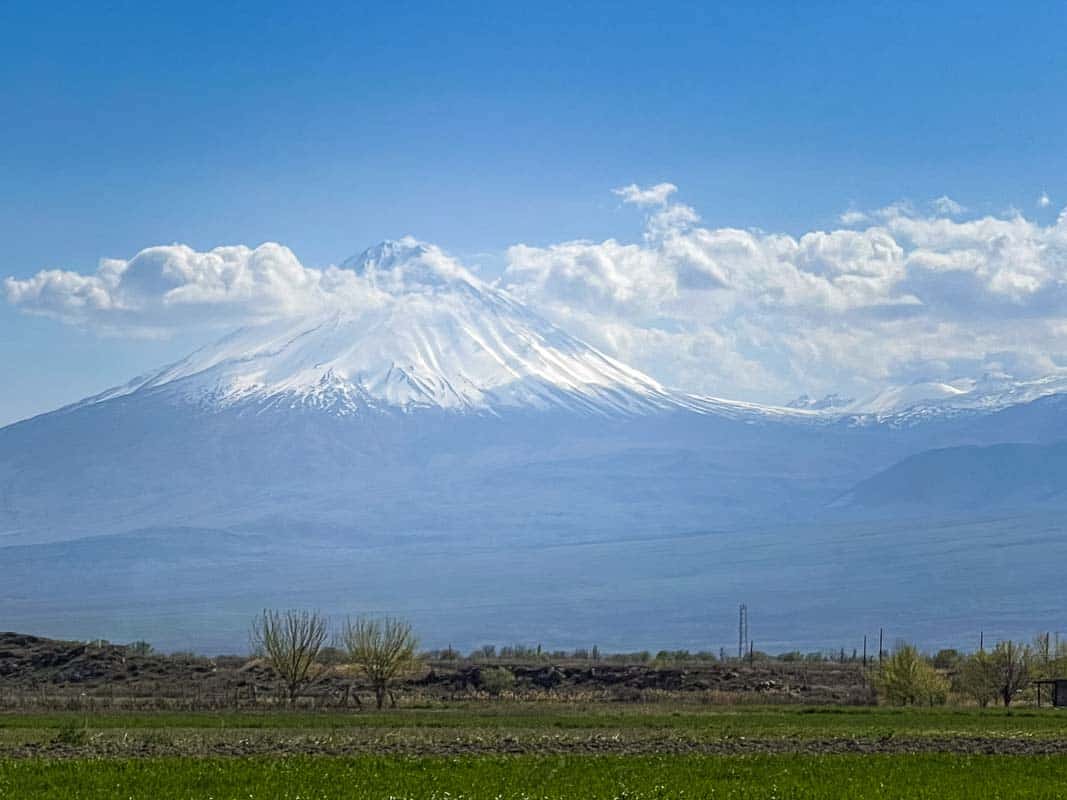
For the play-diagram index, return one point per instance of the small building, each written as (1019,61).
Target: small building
(1057,691)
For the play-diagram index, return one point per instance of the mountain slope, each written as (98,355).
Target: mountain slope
(969,478)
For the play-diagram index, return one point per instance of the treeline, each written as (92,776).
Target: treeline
(302,648)
(1008,672)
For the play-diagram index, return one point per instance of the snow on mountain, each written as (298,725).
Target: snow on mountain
(913,403)
(893,399)
(996,392)
(426,334)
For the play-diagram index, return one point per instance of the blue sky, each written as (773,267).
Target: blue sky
(329,128)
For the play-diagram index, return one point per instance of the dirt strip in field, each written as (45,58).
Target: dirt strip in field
(599,745)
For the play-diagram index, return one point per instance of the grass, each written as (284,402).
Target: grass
(939,777)
(527,753)
(718,722)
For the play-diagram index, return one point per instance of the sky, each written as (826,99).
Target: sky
(850,195)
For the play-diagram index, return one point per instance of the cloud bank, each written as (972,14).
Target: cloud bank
(171,287)
(896,295)
(906,297)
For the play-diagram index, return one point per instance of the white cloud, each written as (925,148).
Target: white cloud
(586,275)
(853,217)
(946,206)
(167,287)
(657,195)
(1043,200)
(899,208)
(764,316)
(738,313)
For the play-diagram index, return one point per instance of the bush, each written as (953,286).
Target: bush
(979,679)
(949,659)
(332,656)
(907,679)
(496,680)
(73,734)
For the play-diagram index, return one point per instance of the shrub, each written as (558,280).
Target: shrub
(907,679)
(496,680)
(947,659)
(73,734)
(978,678)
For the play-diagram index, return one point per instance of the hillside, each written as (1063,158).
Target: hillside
(969,478)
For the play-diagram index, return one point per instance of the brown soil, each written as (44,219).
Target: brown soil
(593,745)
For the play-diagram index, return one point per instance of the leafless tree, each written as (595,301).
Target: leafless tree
(383,649)
(1013,669)
(291,642)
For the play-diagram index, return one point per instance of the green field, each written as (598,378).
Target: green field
(936,777)
(514,751)
(714,722)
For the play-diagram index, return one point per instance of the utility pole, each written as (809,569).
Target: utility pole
(742,630)
(865,651)
(881,649)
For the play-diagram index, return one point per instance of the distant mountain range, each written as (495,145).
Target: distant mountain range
(923,400)
(447,423)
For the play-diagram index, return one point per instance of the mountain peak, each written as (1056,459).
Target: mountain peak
(430,335)
(398,266)
(436,337)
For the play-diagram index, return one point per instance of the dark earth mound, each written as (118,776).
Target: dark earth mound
(45,673)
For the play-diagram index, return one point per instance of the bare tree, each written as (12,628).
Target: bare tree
(382,649)
(1012,662)
(291,641)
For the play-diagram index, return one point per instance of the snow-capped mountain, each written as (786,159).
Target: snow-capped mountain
(912,403)
(896,399)
(423,333)
(426,334)
(435,444)
(430,377)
